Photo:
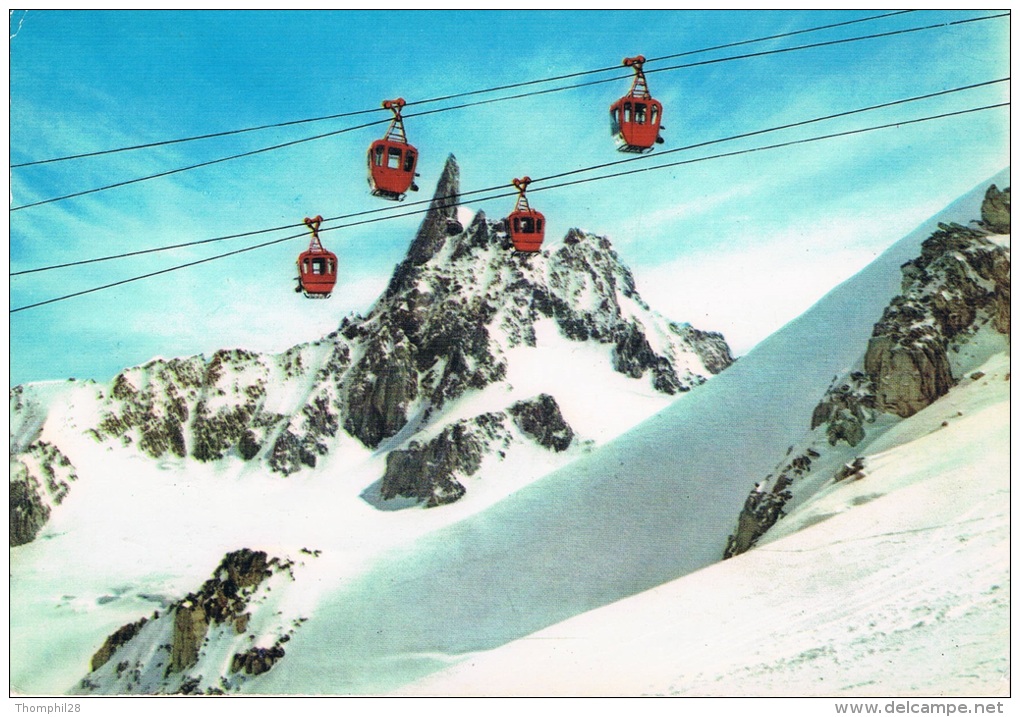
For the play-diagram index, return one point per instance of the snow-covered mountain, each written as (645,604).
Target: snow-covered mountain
(605,575)
(881,551)
(464,355)
(476,372)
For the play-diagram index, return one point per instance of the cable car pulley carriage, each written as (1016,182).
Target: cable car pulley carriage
(391,160)
(635,118)
(526,226)
(317,267)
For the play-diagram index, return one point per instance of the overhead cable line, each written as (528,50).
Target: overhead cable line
(196,166)
(791,125)
(498,99)
(790,143)
(526,83)
(643,157)
(669,165)
(827,43)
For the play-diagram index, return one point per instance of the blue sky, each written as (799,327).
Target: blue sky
(740,244)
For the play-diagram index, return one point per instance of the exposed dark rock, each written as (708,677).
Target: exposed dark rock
(381,386)
(121,637)
(429,472)
(958,285)
(854,470)
(960,282)
(633,355)
(190,627)
(908,377)
(257,660)
(710,346)
(223,598)
(432,233)
(220,610)
(995,215)
(248,445)
(761,511)
(846,407)
(290,452)
(28,512)
(40,478)
(216,433)
(540,418)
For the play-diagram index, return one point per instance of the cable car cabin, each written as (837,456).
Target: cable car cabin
(525,225)
(527,230)
(391,169)
(317,267)
(391,160)
(635,124)
(636,118)
(317,273)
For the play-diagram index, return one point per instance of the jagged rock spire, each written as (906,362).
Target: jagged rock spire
(432,232)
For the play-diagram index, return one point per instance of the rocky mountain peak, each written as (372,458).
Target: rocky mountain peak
(458,308)
(441,216)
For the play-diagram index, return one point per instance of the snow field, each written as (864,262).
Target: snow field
(896,584)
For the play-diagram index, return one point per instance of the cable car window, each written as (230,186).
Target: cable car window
(655,114)
(527,225)
(538,226)
(409,161)
(628,112)
(639,112)
(517,224)
(330,267)
(393,158)
(378,155)
(317,266)
(304,266)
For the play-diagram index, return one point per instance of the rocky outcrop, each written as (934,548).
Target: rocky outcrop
(710,346)
(381,388)
(257,660)
(28,513)
(40,478)
(908,376)
(442,211)
(958,284)
(121,637)
(162,653)
(845,408)
(197,406)
(541,419)
(428,472)
(224,598)
(995,216)
(760,512)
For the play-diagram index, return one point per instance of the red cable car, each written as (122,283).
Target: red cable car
(526,226)
(391,160)
(635,118)
(316,267)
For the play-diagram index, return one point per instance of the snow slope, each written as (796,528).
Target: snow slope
(894,584)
